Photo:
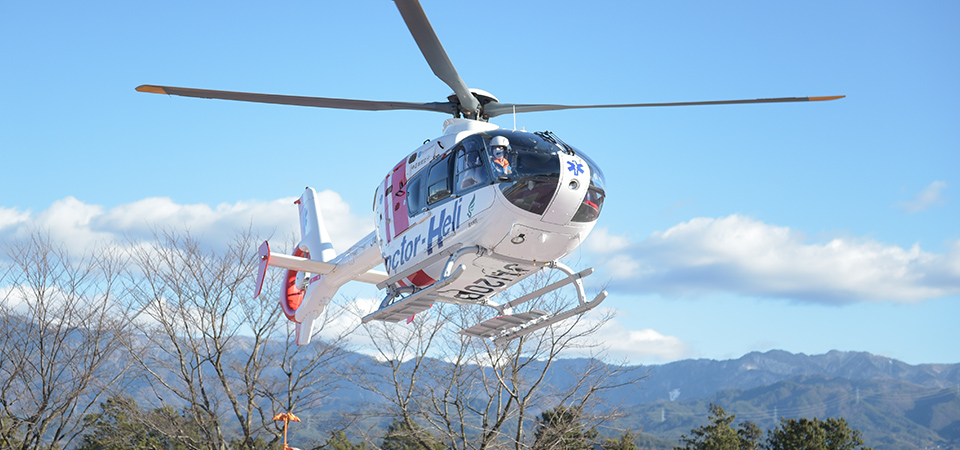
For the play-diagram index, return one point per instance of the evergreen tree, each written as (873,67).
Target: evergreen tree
(831,434)
(562,428)
(10,436)
(407,435)
(180,429)
(627,441)
(117,426)
(720,434)
(122,425)
(338,441)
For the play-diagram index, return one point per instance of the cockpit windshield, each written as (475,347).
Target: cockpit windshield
(527,168)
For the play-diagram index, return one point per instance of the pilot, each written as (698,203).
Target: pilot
(499,146)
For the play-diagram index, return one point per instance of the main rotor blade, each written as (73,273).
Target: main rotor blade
(496,109)
(432,50)
(319,102)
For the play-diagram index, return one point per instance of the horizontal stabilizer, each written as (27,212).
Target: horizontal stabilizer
(318,267)
(301,264)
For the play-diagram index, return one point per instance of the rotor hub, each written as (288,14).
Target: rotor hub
(481,95)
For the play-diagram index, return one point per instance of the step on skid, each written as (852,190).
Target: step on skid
(414,303)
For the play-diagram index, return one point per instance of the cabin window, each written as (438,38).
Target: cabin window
(592,202)
(438,182)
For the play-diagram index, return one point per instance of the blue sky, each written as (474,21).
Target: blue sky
(805,227)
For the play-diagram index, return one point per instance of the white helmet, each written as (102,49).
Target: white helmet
(499,141)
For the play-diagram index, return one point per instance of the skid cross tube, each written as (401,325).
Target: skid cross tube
(570,278)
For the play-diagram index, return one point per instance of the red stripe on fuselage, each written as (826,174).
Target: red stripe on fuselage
(386,208)
(401,217)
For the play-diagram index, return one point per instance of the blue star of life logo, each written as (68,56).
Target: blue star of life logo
(575,167)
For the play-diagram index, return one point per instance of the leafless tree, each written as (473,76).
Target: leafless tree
(306,376)
(62,322)
(479,395)
(403,355)
(228,363)
(226,358)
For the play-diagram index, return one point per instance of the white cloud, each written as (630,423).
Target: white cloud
(67,221)
(931,195)
(342,318)
(641,345)
(619,341)
(11,299)
(78,225)
(736,254)
(600,240)
(12,217)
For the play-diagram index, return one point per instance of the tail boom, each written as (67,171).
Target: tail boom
(325,271)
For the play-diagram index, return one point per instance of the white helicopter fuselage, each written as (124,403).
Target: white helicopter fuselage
(507,242)
(459,220)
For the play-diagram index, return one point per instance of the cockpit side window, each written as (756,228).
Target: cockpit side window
(589,210)
(415,195)
(470,170)
(438,182)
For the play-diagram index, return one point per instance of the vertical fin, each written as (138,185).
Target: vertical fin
(315,241)
(264,254)
(313,233)
(305,327)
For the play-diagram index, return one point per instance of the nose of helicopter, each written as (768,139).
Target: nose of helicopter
(571,190)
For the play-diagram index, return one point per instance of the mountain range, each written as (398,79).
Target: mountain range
(894,404)
(702,378)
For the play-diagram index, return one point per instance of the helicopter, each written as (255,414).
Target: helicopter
(460,219)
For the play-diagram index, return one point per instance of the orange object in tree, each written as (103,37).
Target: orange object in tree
(286,418)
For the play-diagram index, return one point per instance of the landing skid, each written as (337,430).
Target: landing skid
(507,325)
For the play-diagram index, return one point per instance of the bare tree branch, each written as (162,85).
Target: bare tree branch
(62,326)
